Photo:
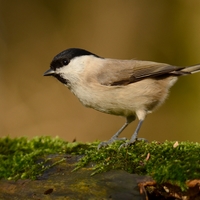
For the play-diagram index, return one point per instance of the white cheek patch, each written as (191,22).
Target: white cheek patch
(75,66)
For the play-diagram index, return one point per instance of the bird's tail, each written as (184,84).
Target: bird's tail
(191,69)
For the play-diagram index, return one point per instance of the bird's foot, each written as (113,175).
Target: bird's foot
(131,142)
(106,143)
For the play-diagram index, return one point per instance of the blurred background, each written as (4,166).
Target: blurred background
(33,32)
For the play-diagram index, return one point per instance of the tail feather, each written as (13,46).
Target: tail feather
(191,69)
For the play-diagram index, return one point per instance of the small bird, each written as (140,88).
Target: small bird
(128,88)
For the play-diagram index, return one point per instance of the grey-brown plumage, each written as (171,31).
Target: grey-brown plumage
(127,88)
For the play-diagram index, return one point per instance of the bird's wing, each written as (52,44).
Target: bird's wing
(123,72)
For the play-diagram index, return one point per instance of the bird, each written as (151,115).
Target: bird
(128,88)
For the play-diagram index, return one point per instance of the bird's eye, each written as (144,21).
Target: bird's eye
(65,62)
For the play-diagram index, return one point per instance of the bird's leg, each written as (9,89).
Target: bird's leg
(134,136)
(141,115)
(115,136)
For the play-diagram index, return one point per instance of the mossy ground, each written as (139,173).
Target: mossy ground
(164,162)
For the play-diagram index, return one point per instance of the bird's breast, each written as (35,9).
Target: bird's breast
(123,100)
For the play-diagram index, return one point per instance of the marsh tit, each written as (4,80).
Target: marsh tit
(128,88)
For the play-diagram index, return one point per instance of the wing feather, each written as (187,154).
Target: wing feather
(123,72)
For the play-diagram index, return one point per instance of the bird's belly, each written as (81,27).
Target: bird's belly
(124,100)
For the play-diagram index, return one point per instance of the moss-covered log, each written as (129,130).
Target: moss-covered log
(174,167)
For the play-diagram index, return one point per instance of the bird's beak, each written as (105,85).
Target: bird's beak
(49,72)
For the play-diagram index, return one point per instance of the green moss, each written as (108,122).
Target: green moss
(18,157)
(22,158)
(166,163)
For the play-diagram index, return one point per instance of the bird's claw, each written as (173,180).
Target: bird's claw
(126,144)
(105,144)
(102,144)
(131,142)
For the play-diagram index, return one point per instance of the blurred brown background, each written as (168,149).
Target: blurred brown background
(33,32)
